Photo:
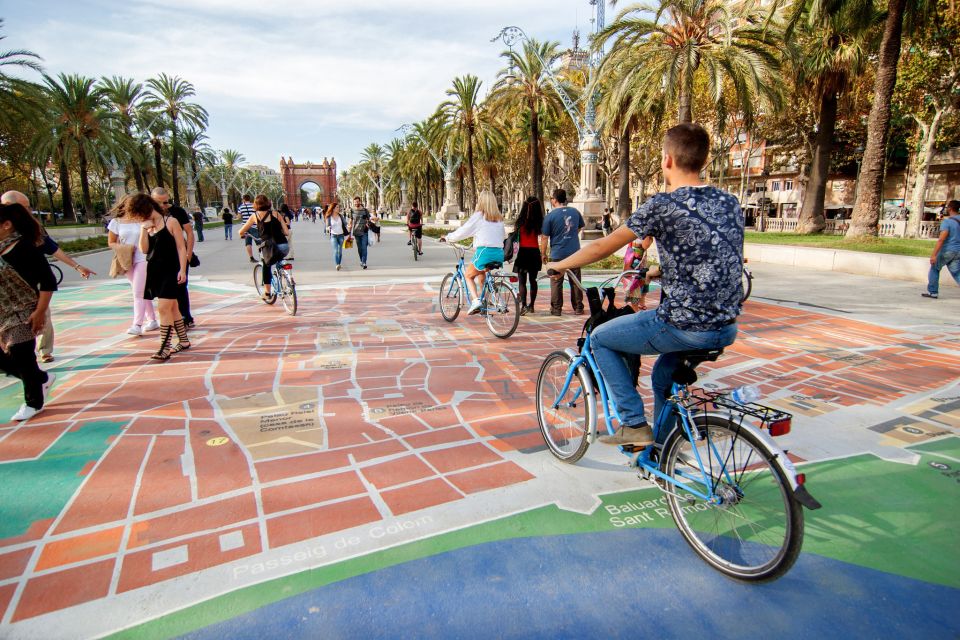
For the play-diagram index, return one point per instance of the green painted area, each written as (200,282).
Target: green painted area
(92,362)
(39,489)
(893,517)
(947,446)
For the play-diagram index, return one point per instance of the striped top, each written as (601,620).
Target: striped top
(245,210)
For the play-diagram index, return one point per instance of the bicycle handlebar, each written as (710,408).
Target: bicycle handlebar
(630,272)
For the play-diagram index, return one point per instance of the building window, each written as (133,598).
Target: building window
(775,186)
(788,185)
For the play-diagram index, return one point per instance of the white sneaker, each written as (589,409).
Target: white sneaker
(338,267)
(51,378)
(25,413)
(135,330)
(474,307)
(151,326)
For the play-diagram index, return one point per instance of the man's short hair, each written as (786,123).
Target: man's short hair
(689,145)
(954,205)
(560,195)
(247,197)
(157,192)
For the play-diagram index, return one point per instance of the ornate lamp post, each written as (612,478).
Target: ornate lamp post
(450,209)
(588,199)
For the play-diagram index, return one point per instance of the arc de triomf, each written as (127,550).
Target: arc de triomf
(294,176)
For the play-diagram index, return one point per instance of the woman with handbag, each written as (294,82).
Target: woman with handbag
(529,261)
(26,286)
(161,240)
(335,221)
(273,236)
(123,236)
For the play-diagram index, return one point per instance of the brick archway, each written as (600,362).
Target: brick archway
(295,175)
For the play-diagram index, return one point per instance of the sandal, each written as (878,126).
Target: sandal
(163,354)
(183,342)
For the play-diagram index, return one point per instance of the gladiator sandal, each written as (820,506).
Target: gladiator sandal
(166,333)
(183,342)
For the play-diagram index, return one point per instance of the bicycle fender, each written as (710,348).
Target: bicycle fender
(588,391)
(783,461)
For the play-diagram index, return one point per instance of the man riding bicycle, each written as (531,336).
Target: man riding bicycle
(699,234)
(415,227)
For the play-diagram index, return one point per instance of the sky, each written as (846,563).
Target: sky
(307,79)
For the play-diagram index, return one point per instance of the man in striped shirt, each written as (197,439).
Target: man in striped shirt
(245,210)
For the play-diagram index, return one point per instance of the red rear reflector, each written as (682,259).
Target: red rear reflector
(288,267)
(514,279)
(780,427)
(801,478)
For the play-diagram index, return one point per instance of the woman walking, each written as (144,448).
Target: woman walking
(123,236)
(161,240)
(529,261)
(335,221)
(26,286)
(272,229)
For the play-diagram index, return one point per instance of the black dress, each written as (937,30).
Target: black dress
(163,265)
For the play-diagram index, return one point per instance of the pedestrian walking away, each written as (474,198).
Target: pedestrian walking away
(161,240)
(198,223)
(49,247)
(227,223)
(245,210)
(359,226)
(287,215)
(186,224)
(272,230)
(561,233)
(333,220)
(26,286)
(529,261)
(946,253)
(123,236)
(699,233)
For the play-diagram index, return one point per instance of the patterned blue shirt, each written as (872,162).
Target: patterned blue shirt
(699,233)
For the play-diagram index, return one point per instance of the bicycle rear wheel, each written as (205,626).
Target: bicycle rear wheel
(565,426)
(747,284)
(451,297)
(258,278)
(57,272)
(502,309)
(288,293)
(755,532)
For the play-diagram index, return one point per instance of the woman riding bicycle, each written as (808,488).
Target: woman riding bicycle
(415,227)
(273,229)
(486,228)
(699,233)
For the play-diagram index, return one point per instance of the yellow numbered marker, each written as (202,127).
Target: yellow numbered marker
(216,442)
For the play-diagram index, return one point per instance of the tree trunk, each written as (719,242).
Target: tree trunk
(462,188)
(922,172)
(175,170)
(868,204)
(473,177)
(811,214)
(46,185)
(685,113)
(196,175)
(536,166)
(65,192)
(138,176)
(157,163)
(623,197)
(85,184)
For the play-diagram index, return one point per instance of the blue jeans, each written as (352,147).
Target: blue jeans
(228,232)
(337,242)
(948,259)
(361,241)
(645,334)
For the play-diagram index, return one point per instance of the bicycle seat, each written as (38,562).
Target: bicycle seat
(685,373)
(493,266)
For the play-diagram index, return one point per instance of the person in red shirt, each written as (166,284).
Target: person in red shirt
(415,227)
(529,261)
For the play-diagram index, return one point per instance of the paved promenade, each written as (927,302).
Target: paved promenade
(365,469)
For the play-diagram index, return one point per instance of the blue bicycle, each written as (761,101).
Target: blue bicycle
(500,306)
(734,495)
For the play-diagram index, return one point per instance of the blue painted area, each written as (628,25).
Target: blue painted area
(591,585)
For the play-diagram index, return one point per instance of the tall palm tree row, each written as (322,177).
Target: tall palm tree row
(170,95)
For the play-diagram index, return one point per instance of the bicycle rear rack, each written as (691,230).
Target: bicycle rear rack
(775,421)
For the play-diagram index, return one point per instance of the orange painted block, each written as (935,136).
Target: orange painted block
(419,496)
(284,530)
(29,442)
(209,516)
(80,548)
(293,466)
(499,475)
(163,484)
(299,494)
(219,469)
(526,441)
(440,436)
(455,458)
(13,564)
(157,564)
(6,594)
(63,589)
(397,471)
(403,425)
(376,450)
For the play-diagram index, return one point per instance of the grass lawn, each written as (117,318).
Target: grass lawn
(896,246)
(84,244)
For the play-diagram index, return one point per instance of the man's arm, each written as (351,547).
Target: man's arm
(596,250)
(544,240)
(188,229)
(63,257)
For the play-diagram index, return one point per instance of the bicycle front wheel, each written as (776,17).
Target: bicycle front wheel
(503,310)
(57,272)
(451,297)
(288,293)
(752,530)
(565,422)
(747,285)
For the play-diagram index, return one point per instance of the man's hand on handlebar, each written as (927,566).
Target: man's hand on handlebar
(554,271)
(443,238)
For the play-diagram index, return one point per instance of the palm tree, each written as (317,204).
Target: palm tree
(375,160)
(170,95)
(720,38)
(833,38)
(525,88)
(13,90)
(123,96)
(77,109)
(193,141)
(466,119)
(869,199)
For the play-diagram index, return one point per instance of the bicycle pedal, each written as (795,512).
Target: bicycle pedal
(633,448)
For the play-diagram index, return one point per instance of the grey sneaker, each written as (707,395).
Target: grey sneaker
(930,295)
(639,435)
